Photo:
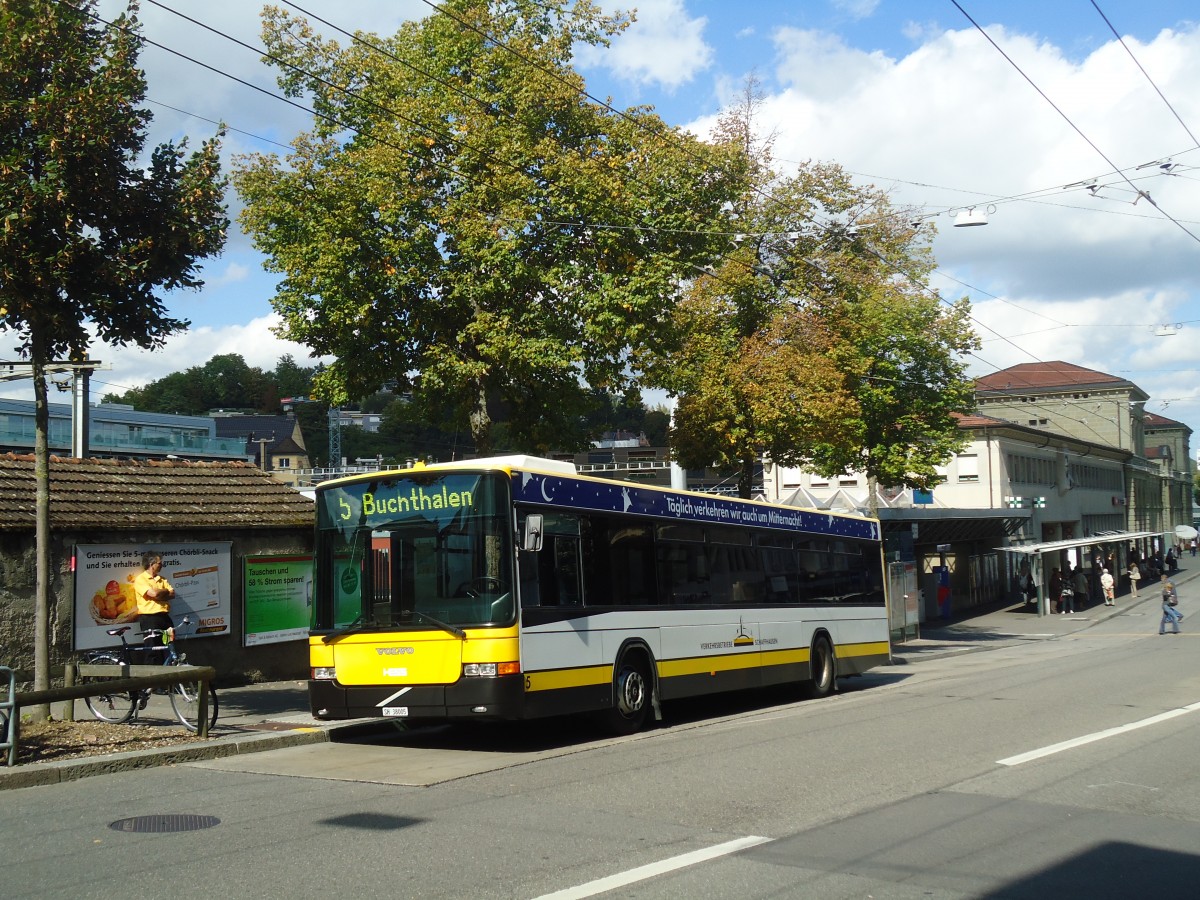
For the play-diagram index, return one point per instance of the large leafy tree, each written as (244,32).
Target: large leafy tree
(464,223)
(816,341)
(226,381)
(94,231)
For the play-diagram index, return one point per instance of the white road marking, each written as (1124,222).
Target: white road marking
(400,693)
(641,873)
(1096,736)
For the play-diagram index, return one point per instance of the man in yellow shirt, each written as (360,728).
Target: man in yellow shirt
(154,594)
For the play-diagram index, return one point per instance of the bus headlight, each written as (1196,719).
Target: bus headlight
(324,673)
(490,670)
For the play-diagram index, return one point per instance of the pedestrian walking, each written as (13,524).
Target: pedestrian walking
(1135,576)
(1108,587)
(1170,614)
(1056,589)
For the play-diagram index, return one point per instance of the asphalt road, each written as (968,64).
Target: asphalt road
(1061,767)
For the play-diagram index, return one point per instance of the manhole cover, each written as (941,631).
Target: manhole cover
(163,824)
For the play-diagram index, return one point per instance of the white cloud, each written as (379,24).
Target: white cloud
(822,66)
(131,367)
(858,9)
(665,47)
(254,341)
(233,274)
(962,128)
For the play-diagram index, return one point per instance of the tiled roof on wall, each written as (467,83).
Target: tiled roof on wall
(1153,420)
(121,494)
(1054,373)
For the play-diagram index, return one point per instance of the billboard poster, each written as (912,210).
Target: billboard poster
(278,592)
(104,574)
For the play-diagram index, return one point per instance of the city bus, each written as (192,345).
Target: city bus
(515,588)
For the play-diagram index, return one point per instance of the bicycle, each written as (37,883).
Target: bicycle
(121,707)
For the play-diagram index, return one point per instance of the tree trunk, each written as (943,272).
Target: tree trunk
(41,472)
(481,422)
(746,476)
(873,496)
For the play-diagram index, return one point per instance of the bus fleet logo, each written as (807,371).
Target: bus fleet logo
(742,639)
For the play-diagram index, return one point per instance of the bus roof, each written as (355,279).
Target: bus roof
(542,480)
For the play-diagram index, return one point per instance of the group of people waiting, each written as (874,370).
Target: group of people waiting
(1071,590)
(1067,592)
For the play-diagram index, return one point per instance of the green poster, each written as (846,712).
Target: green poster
(278,592)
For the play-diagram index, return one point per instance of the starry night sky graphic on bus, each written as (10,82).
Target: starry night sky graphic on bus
(618,496)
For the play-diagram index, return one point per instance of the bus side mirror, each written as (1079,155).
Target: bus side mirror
(532,539)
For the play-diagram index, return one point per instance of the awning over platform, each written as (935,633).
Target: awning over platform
(1110,537)
(940,525)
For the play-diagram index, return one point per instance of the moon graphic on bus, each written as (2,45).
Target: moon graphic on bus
(545,493)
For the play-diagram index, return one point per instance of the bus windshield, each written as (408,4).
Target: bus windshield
(423,550)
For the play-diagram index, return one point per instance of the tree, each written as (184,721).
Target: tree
(226,381)
(291,378)
(93,232)
(410,435)
(816,340)
(463,223)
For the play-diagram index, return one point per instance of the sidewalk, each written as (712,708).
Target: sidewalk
(1005,625)
(250,719)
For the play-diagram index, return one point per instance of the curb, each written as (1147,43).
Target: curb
(58,772)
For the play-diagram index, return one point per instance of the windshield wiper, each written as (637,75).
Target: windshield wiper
(359,620)
(454,630)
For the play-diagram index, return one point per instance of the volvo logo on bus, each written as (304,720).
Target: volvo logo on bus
(394,651)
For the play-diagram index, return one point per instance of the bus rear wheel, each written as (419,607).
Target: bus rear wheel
(631,696)
(822,669)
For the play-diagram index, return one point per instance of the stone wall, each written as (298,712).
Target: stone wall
(234,663)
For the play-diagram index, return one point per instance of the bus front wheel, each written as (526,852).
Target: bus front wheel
(631,695)
(822,669)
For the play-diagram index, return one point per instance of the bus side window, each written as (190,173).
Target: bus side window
(566,572)
(527,572)
(618,562)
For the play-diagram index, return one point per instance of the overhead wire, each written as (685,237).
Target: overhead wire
(1157,90)
(226,126)
(1074,127)
(1039,195)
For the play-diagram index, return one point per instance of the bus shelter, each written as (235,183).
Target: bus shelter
(1034,553)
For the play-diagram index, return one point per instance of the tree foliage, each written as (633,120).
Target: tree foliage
(816,341)
(464,223)
(91,230)
(93,234)
(227,382)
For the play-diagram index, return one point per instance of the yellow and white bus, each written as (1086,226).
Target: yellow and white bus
(515,588)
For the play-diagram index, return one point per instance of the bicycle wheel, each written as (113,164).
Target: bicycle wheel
(185,700)
(115,708)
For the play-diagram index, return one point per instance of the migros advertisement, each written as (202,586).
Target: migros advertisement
(104,574)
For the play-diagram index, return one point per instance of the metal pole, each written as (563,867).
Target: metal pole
(79,412)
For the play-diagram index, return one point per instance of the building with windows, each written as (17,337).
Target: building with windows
(273,443)
(1061,462)
(118,431)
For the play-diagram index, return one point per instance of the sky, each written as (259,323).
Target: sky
(1081,149)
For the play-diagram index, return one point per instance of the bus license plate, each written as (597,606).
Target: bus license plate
(395,711)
